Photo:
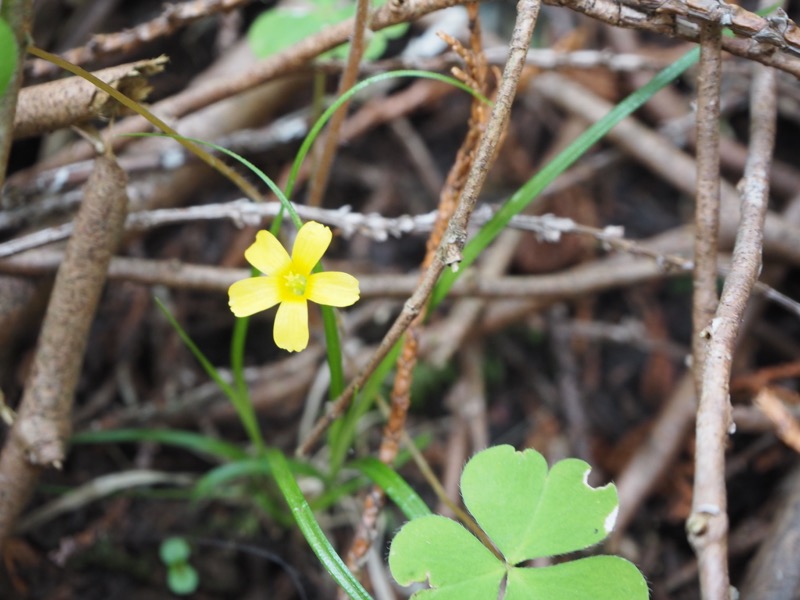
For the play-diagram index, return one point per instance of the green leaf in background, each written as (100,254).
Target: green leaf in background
(527,512)
(187,440)
(278,28)
(182,578)
(174,550)
(8,55)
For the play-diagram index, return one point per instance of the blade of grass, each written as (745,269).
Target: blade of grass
(244,409)
(187,440)
(246,468)
(333,348)
(140,109)
(311,530)
(534,186)
(395,486)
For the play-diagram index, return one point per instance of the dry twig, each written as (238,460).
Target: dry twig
(707,202)
(49,106)
(708,524)
(174,17)
(786,425)
(774,573)
(38,436)
(330,142)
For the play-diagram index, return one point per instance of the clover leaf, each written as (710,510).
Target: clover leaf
(277,29)
(528,513)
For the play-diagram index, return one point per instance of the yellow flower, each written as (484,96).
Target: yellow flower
(289,282)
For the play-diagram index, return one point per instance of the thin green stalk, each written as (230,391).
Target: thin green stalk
(237,356)
(244,409)
(187,440)
(310,528)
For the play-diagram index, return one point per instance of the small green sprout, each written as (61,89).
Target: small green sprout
(527,513)
(8,55)
(290,282)
(279,28)
(182,579)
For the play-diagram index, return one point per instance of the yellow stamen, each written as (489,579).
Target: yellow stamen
(295,283)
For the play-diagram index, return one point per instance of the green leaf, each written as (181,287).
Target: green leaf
(182,579)
(183,439)
(441,551)
(243,469)
(517,477)
(593,578)
(395,487)
(527,512)
(174,550)
(8,55)
(543,514)
(279,28)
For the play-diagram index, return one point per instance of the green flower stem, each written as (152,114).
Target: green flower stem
(237,356)
(333,348)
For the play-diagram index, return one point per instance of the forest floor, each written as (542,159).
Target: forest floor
(571,334)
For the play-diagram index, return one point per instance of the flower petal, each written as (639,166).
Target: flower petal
(291,326)
(267,254)
(312,241)
(249,296)
(332,288)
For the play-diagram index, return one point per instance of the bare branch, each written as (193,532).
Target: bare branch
(40,432)
(64,102)
(708,524)
(174,17)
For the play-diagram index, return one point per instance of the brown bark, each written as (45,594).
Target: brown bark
(71,101)
(38,437)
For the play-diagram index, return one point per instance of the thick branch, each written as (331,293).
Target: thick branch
(39,434)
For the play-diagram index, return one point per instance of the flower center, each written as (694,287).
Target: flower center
(295,283)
